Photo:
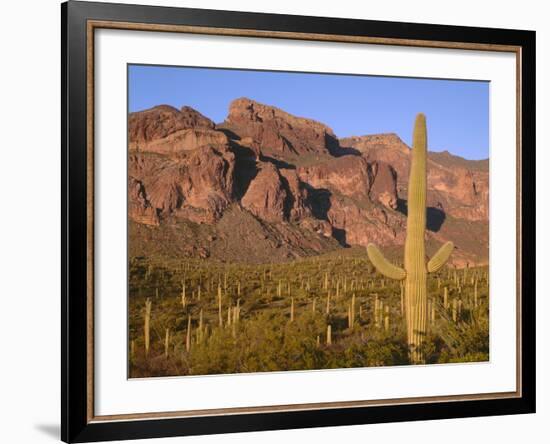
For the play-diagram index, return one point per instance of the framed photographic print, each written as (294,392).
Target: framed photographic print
(275,221)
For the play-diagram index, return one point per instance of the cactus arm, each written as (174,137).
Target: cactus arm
(383,265)
(440,258)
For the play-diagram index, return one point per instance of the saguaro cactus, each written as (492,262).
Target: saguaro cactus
(166,343)
(416,269)
(188,334)
(147,325)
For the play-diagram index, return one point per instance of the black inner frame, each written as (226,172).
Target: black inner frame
(74,423)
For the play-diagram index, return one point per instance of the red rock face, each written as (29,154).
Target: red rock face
(206,181)
(458,186)
(297,204)
(161,121)
(139,208)
(384,187)
(266,196)
(303,186)
(387,148)
(347,175)
(277,195)
(364,225)
(181,141)
(277,132)
(461,192)
(187,173)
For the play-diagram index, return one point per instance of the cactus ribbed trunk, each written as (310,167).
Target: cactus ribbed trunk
(415,268)
(415,254)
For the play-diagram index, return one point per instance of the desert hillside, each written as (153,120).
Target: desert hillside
(267,186)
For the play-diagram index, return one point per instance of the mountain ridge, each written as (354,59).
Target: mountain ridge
(310,191)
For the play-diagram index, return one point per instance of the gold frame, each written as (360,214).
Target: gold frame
(92,25)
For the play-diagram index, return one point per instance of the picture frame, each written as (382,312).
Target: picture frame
(80,22)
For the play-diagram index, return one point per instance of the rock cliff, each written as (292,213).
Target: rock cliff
(307,191)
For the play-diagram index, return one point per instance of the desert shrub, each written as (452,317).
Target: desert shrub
(264,338)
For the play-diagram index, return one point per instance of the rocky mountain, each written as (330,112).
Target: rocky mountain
(264,185)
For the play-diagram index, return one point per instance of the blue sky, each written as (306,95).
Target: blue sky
(457,111)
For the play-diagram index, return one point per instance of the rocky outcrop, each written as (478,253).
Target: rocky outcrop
(298,205)
(266,196)
(384,186)
(277,132)
(164,190)
(458,186)
(354,187)
(354,176)
(181,141)
(357,225)
(161,121)
(206,182)
(347,175)
(462,193)
(197,187)
(387,148)
(376,142)
(304,189)
(139,208)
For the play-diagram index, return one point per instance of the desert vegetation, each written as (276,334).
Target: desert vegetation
(201,316)
(218,306)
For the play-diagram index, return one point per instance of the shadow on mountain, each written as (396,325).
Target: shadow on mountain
(288,204)
(340,235)
(319,202)
(402,206)
(336,150)
(281,164)
(435,217)
(230,134)
(245,169)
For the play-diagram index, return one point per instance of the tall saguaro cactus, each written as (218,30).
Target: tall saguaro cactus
(416,269)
